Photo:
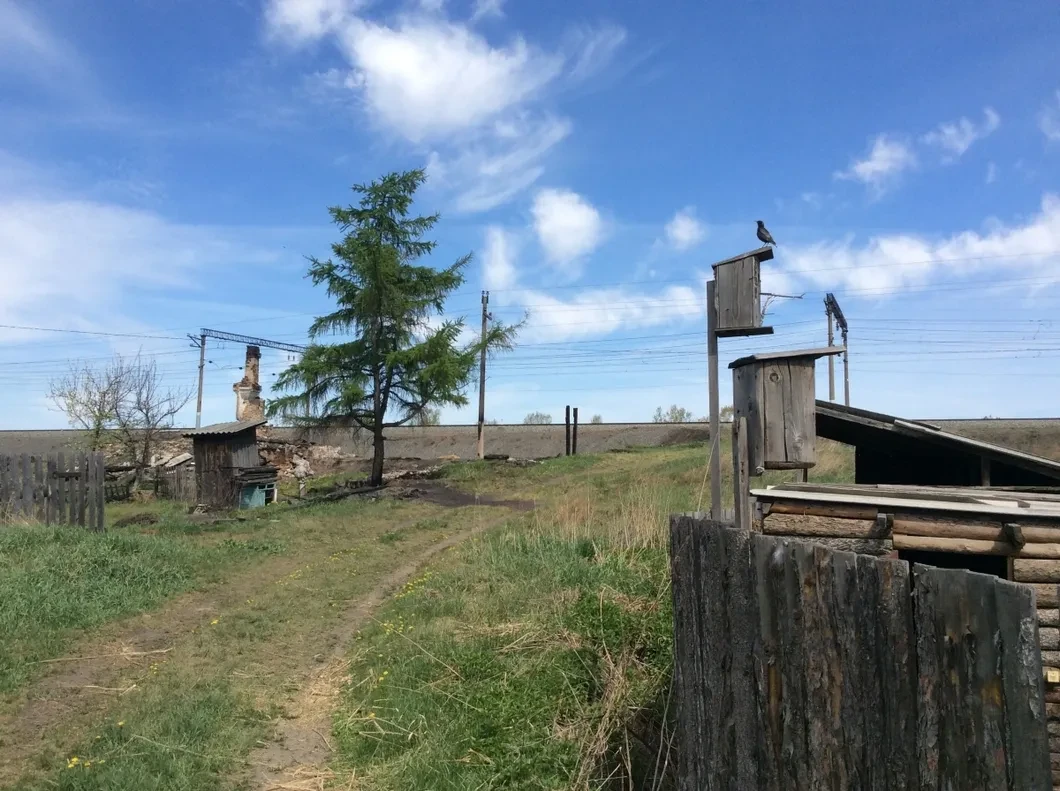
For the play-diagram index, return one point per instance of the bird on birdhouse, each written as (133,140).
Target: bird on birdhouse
(764,236)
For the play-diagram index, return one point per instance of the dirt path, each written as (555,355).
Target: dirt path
(304,655)
(297,757)
(102,668)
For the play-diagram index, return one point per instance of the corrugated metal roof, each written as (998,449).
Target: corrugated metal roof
(221,429)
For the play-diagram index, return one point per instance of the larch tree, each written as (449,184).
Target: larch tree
(399,357)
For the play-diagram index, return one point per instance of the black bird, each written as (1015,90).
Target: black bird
(764,236)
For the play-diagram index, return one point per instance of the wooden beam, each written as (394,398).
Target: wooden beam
(970,546)
(826,526)
(807,509)
(741,482)
(733,332)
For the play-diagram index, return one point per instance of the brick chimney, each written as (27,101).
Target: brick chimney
(249,405)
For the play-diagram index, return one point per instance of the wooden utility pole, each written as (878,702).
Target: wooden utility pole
(715,408)
(831,362)
(202,368)
(482,378)
(566,422)
(574,435)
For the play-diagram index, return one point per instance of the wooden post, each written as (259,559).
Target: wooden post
(482,379)
(567,424)
(846,369)
(741,484)
(27,487)
(101,480)
(715,407)
(60,489)
(82,489)
(831,362)
(574,435)
(50,490)
(202,368)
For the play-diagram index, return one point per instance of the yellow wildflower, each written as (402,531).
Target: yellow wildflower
(214,622)
(121,723)
(371,715)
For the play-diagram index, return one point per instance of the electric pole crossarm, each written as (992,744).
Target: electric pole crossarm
(248,340)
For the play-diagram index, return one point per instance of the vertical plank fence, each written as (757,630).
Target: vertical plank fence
(796,667)
(53,490)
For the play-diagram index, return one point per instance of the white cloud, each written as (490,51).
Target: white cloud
(592,49)
(498,263)
(896,261)
(301,21)
(991,173)
(597,312)
(1049,120)
(494,167)
(29,48)
(684,231)
(487,9)
(886,161)
(568,226)
(956,137)
(95,258)
(471,104)
(427,79)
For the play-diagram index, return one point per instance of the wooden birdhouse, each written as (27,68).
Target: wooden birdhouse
(775,393)
(738,293)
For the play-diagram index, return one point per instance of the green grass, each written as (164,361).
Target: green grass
(498,671)
(170,738)
(538,656)
(66,579)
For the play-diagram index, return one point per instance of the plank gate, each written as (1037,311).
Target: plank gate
(56,489)
(798,667)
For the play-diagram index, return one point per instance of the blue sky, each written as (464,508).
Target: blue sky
(167,165)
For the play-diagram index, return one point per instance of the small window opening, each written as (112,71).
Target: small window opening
(996,565)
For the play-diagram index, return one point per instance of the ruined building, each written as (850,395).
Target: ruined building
(249,405)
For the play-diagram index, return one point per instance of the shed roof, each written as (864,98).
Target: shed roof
(767,356)
(224,429)
(764,253)
(851,425)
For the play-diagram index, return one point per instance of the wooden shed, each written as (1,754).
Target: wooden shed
(1009,532)
(738,293)
(228,469)
(775,392)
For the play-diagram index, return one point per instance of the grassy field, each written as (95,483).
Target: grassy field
(539,655)
(316,647)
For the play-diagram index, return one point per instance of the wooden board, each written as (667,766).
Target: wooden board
(738,292)
(895,504)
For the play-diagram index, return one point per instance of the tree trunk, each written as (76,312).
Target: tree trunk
(377,459)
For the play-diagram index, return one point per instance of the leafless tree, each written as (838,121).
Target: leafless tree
(144,408)
(88,398)
(126,401)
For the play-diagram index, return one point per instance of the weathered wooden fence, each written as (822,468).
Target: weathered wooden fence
(54,489)
(797,667)
(177,483)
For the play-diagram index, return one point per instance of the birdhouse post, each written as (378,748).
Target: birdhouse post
(734,307)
